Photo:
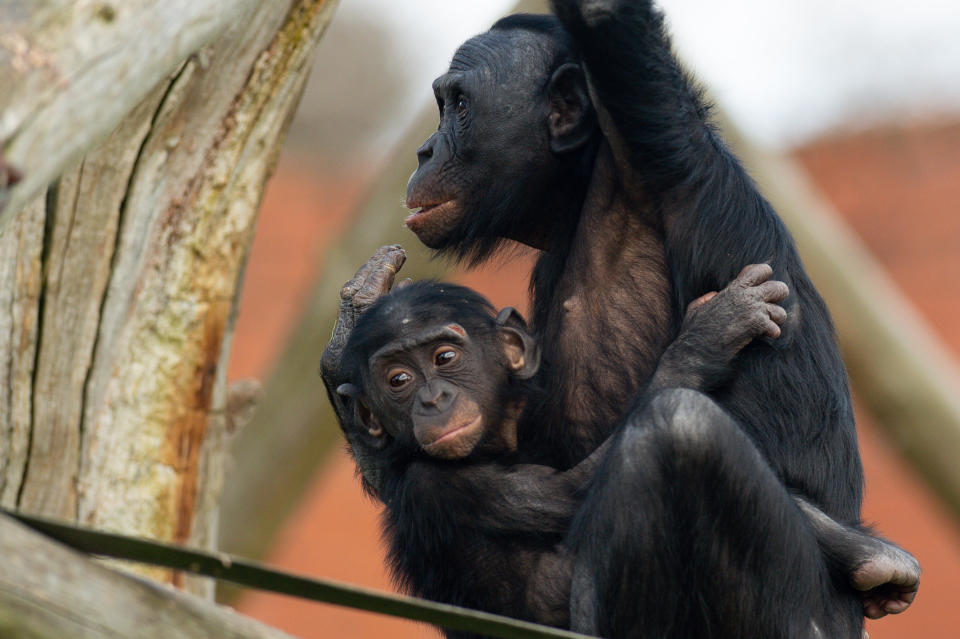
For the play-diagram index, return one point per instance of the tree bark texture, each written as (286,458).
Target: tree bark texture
(118,285)
(71,70)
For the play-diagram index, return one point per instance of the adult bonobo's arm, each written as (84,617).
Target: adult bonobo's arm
(373,280)
(649,110)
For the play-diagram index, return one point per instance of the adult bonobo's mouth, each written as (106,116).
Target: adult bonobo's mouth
(433,220)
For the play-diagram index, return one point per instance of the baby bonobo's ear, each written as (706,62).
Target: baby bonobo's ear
(372,431)
(520,348)
(348,390)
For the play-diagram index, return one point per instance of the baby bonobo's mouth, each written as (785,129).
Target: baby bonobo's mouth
(456,441)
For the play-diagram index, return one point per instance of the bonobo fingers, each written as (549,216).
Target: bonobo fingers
(762,295)
(773,291)
(374,278)
(370,282)
(747,308)
(776,315)
(753,275)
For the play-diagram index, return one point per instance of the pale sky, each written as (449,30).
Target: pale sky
(786,70)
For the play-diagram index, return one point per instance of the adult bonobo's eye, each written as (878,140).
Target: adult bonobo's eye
(444,355)
(398,378)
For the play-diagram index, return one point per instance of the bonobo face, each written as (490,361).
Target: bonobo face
(435,371)
(439,385)
(491,159)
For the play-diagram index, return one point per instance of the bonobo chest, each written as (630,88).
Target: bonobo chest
(611,312)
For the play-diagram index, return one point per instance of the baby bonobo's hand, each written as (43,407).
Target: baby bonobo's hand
(373,280)
(747,308)
(718,325)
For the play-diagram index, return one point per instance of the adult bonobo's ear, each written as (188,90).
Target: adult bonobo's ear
(372,432)
(571,112)
(521,350)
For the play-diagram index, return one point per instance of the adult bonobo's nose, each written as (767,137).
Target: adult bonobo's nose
(425,152)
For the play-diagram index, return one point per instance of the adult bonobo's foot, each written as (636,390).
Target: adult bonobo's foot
(889,581)
(718,325)
(887,576)
(373,280)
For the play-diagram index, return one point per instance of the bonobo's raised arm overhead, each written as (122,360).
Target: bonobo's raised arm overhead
(438,384)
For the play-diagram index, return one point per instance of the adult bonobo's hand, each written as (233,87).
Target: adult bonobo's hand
(718,325)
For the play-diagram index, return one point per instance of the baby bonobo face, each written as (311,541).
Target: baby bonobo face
(442,385)
(439,374)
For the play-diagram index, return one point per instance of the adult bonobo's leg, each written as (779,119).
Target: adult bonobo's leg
(374,279)
(686,532)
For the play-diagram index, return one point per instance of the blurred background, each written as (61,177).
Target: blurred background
(863,96)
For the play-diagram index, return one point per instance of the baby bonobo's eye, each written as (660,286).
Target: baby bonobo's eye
(444,355)
(398,378)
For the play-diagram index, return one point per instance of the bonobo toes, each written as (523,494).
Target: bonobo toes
(889,581)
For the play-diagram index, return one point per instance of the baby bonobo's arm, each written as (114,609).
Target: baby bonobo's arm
(717,326)
(513,499)
(372,281)
(887,575)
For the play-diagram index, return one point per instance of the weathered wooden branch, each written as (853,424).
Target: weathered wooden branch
(49,592)
(71,71)
(121,280)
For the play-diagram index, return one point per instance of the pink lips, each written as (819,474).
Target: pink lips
(425,211)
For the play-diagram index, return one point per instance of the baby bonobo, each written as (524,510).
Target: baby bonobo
(439,383)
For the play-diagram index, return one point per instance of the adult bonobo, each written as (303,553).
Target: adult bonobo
(438,383)
(580,135)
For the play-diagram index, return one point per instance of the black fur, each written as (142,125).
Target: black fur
(789,396)
(481,532)
(492,533)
